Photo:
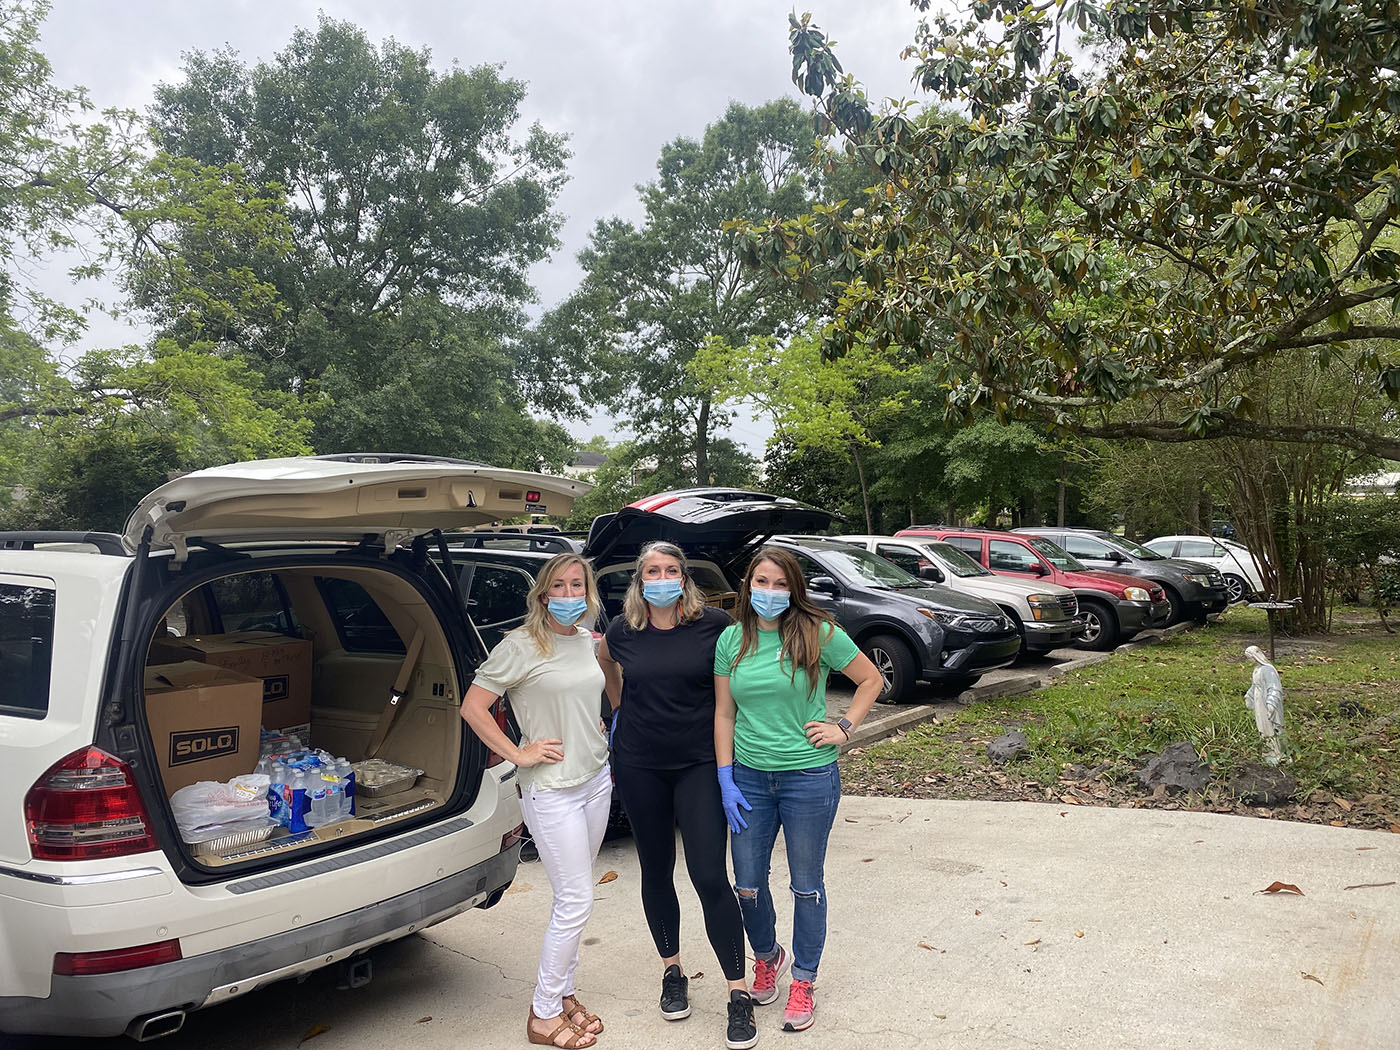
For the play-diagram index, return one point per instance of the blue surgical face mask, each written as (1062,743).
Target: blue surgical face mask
(769,604)
(662,593)
(566,611)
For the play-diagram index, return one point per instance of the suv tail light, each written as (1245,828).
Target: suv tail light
(84,807)
(498,709)
(80,964)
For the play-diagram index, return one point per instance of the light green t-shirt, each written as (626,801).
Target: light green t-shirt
(770,707)
(553,697)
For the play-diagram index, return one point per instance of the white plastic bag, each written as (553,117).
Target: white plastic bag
(210,810)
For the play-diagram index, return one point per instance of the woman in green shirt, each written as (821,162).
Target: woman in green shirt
(776,755)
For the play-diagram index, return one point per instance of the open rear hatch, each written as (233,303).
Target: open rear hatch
(723,526)
(267,652)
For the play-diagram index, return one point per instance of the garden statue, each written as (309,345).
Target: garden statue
(1265,698)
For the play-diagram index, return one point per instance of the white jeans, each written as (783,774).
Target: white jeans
(567,825)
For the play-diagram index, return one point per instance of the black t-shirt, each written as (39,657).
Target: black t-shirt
(667,719)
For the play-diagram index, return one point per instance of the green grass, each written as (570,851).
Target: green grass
(1342,713)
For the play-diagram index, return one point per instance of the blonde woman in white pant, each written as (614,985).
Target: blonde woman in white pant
(555,683)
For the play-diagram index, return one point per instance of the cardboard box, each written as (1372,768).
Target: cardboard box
(283,664)
(204,722)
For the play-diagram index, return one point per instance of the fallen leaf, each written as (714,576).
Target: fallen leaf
(313,1032)
(1310,977)
(1281,887)
(1069,800)
(424,1020)
(1034,942)
(866,860)
(941,1017)
(1342,802)
(1360,849)
(697,975)
(1033,920)
(1338,823)
(1079,933)
(852,820)
(607,877)
(976,911)
(928,947)
(1369,885)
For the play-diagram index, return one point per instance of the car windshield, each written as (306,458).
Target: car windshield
(1137,550)
(1057,555)
(860,566)
(955,561)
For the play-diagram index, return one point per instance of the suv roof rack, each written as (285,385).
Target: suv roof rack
(105,542)
(540,542)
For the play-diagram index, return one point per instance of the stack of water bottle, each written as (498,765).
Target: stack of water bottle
(310,788)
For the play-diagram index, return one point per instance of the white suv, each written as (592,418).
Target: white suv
(1244,577)
(109,921)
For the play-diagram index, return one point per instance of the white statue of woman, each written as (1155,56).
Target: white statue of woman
(1265,698)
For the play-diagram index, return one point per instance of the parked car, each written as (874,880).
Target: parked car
(1244,577)
(1193,588)
(113,922)
(1045,614)
(910,628)
(1115,607)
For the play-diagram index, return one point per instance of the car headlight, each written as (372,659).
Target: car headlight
(957,621)
(1045,603)
(1201,578)
(1137,594)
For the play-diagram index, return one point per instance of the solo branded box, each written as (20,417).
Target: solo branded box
(283,664)
(204,721)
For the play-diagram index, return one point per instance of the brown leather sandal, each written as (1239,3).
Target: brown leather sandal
(574,1042)
(572,1006)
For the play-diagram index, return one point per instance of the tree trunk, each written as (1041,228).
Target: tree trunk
(1060,493)
(864,489)
(702,444)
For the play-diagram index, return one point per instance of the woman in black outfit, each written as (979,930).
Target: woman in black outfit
(658,663)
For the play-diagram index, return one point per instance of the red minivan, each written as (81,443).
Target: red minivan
(1115,607)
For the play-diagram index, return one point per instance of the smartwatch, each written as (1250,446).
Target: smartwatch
(844,724)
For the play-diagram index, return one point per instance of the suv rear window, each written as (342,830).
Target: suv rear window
(360,622)
(26,648)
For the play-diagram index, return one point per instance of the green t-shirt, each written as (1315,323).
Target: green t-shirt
(770,707)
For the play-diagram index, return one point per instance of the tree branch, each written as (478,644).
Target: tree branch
(1233,427)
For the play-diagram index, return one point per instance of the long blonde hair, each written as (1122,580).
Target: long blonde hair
(634,603)
(801,628)
(536,623)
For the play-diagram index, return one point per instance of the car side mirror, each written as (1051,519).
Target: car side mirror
(931,572)
(1037,568)
(1116,556)
(823,585)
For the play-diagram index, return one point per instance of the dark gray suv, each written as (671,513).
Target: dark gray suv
(1194,590)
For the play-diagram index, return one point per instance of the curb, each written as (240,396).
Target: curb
(1023,682)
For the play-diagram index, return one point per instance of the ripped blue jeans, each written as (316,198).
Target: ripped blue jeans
(803,803)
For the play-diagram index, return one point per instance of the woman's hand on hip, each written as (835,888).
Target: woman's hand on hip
(540,752)
(824,734)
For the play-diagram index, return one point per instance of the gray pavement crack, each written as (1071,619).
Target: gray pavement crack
(484,962)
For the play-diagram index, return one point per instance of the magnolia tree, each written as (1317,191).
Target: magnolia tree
(1113,252)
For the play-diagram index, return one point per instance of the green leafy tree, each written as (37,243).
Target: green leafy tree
(416,209)
(653,293)
(1110,251)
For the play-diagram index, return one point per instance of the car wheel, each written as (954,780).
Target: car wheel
(1237,587)
(1175,612)
(895,663)
(1100,626)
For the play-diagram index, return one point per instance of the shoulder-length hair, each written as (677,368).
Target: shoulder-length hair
(634,603)
(802,627)
(536,624)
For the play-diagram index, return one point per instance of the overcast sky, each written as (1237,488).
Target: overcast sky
(620,77)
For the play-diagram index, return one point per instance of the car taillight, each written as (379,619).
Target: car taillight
(86,807)
(79,964)
(511,837)
(498,710)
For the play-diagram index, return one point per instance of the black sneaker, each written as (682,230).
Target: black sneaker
(674,1003)
(742,1032)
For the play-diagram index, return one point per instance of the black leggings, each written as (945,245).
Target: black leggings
(657,800)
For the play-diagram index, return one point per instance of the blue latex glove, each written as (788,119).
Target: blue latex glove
(732,798)
(612,726)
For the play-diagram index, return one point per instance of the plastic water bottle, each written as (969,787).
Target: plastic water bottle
(347,788)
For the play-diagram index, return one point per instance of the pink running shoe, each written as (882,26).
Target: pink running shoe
(766,975)
(798,1015)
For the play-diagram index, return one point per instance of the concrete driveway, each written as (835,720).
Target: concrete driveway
(953,924)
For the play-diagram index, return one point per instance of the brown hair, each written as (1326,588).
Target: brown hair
(535,624)
(802,627)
